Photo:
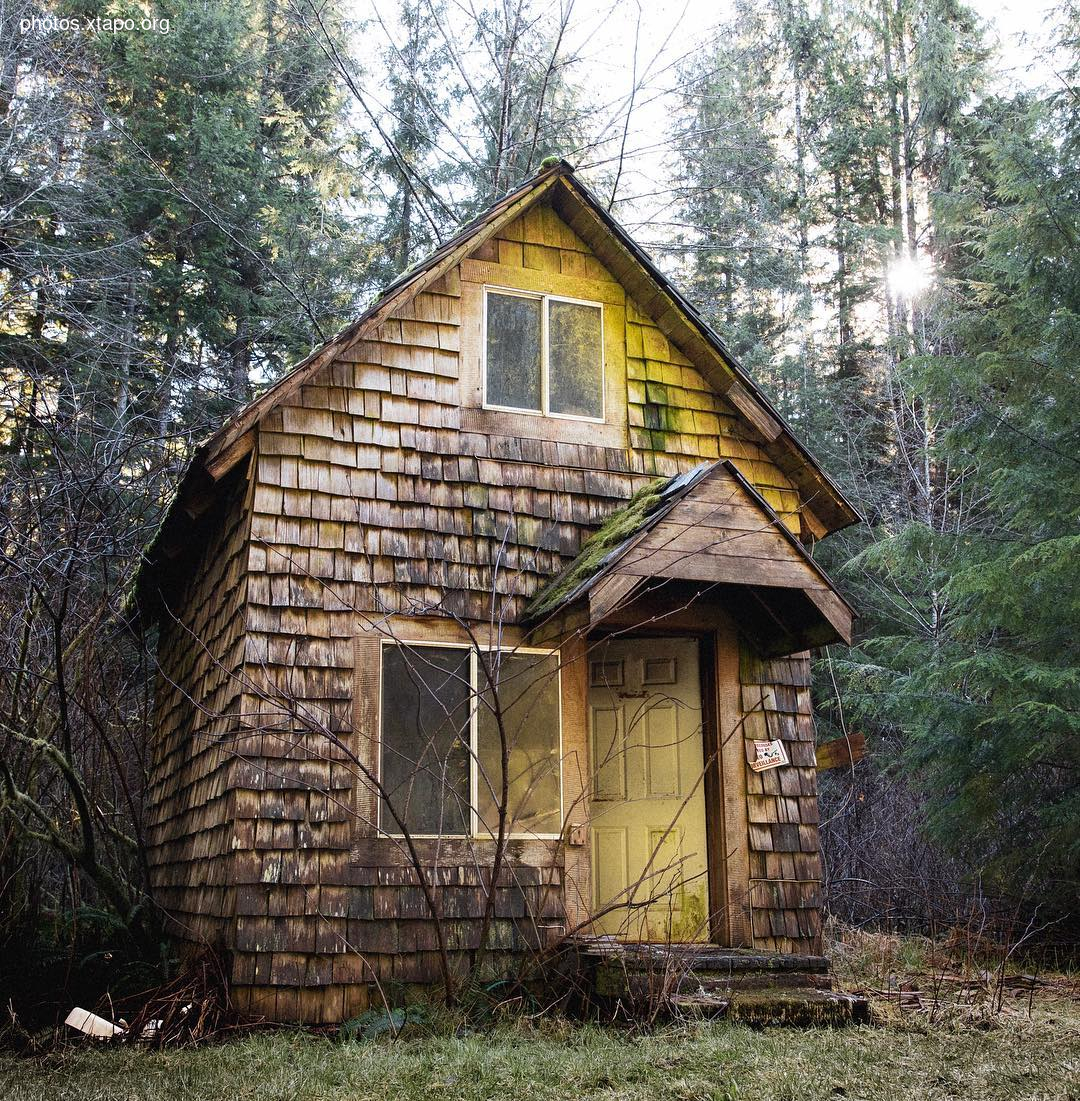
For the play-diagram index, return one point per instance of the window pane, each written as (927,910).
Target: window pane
(575,360)
(513,351)
(528,693)
(425,739)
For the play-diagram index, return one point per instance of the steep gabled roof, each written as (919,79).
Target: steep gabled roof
(824,503)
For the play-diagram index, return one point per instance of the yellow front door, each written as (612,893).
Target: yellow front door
(647,807)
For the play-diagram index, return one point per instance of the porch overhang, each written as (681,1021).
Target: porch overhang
(703,539)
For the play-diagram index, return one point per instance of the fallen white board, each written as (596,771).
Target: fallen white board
(92,1025)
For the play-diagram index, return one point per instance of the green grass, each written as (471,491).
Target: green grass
(1014,1056)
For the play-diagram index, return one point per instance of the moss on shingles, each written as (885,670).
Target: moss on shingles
(618,527)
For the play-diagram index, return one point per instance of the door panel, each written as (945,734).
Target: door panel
(662,750)
(610,858)
(665,879)
(647,809)
(608,754)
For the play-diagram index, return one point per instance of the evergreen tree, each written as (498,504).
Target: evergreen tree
(965,579)
(991,695)
(737,194)
(217,160)
(414,156)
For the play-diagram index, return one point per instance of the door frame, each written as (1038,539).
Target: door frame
(725,795)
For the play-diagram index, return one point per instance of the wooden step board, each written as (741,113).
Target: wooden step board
(703,957)
(773,1006)
(757,988)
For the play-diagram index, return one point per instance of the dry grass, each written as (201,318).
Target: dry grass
(913,979)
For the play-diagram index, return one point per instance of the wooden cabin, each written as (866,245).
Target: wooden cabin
(530,471)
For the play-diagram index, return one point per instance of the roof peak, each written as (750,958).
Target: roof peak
(698,551)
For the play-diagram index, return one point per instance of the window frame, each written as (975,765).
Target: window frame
(475,833)
(545,373)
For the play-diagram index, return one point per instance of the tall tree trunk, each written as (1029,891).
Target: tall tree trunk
(845,337)
(240,362)
(910,154)
(898,328)
(806,305)
(127,353)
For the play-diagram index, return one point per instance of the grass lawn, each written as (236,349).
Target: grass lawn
(1015,1056)
(959,1041)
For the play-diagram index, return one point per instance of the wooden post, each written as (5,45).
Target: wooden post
(735,834)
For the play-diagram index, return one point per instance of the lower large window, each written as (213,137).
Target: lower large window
(450,715)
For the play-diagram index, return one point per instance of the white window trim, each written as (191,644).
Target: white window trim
(545,300)
(474,730)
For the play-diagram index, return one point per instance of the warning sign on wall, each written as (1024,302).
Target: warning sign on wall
(768,755)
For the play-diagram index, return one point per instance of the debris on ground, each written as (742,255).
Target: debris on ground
(194,1007)
(90,1024)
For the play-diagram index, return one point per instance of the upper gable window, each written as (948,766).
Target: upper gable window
(543,354)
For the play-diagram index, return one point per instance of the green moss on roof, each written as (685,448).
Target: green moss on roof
(618,527)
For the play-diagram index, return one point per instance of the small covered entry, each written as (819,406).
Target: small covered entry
(696,605)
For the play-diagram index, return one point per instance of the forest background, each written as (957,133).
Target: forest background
(876,204)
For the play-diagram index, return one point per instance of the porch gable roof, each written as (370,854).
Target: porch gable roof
(708,526)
